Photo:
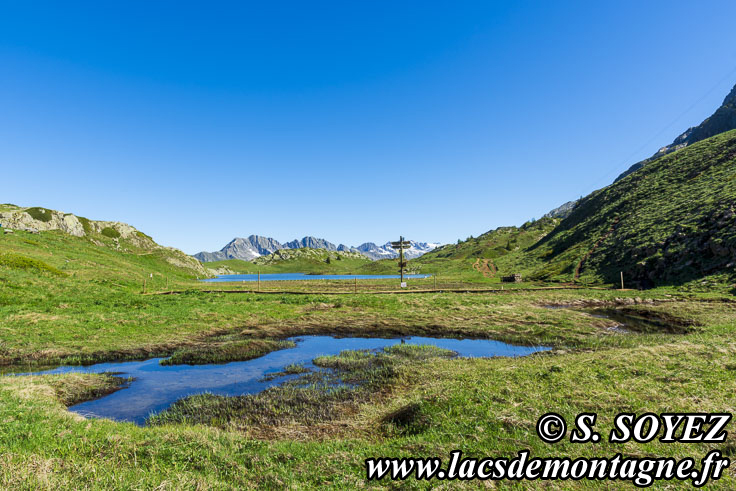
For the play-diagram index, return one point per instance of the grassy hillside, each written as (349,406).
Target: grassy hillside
(63,295)
(305,260)
(94,259)
(479,259)
(492,246)
(29,230)
(74,299)
(668,223)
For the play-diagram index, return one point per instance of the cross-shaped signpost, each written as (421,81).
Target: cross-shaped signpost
(400,246)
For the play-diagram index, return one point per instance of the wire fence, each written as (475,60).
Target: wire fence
(358,286)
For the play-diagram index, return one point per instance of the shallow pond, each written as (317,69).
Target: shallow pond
(631,320)
(303,276)
(155,387)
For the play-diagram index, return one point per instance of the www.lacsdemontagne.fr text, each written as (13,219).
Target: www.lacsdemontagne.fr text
(641,472)
(551,428)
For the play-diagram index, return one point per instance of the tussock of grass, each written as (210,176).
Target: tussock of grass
(292,369)
(86,225)
(73,388)
(407,420)
(224,352)
(40,214)
(316,397)
(110,232)
(16,261)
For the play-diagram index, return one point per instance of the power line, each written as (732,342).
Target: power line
(628,159)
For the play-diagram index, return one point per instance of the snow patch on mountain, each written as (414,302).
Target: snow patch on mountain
(255,246)
(385,251)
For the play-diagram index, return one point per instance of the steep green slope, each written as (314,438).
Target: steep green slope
(670,222)
(494,243)
(304,260)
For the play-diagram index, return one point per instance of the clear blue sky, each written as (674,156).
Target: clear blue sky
(352,121)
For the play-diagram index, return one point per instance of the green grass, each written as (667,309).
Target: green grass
(110,232)
(427,407)
(224,351)
(40,214)
(306,260)
(16,261)
(672,223)
(456,261)
(95,312)
(86,225)
(313,398)
(309,433)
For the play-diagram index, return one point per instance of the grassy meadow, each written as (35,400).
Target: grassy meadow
(73,300)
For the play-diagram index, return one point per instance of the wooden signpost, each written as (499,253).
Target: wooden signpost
(400,246)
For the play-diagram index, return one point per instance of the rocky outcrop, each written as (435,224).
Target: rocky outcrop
(43,220)
(312,243)
(242,248)
(344,248)
(561,211)
(222,270)
(181,260)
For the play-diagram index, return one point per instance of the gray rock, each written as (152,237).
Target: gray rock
(242,248)
(561,211)
(312,243)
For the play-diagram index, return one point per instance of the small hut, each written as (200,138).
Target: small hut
(513,278)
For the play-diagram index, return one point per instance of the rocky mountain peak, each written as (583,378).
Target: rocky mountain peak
(730,99)
(312,243)
(256,246)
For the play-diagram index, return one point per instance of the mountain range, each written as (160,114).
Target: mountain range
(255,246)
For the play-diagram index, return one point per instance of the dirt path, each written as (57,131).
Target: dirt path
(486,267)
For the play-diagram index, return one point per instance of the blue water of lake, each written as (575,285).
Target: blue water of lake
(303,276)
(155,387)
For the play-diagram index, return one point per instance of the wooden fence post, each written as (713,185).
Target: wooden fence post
(622,280)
